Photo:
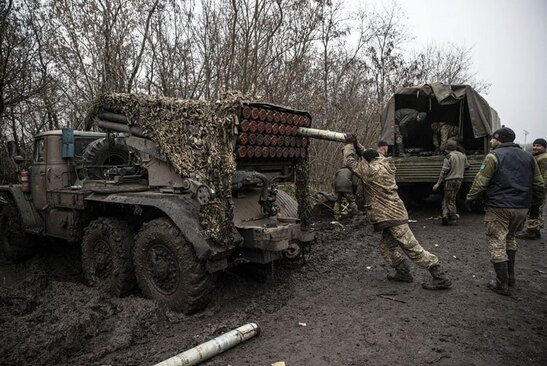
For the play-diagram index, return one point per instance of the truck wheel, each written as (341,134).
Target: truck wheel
(167,269)
(15,245)
(107,256)
(104,152)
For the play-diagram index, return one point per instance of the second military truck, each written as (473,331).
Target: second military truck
(457,105)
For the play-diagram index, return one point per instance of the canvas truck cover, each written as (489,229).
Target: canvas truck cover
(484,119)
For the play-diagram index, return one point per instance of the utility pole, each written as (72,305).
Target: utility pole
(525,134)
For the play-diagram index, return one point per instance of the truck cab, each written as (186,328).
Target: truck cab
(54,160)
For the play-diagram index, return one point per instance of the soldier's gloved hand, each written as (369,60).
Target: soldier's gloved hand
(351,138)
(435,187)
(534,212)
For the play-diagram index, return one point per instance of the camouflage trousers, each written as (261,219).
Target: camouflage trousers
(345,205)
(399,134)
(501,224)
(401,236)
(451,188)
(536,224)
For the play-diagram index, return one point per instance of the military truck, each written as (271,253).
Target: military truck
(169,194)
(459,105)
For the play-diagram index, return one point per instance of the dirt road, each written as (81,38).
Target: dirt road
(337,309)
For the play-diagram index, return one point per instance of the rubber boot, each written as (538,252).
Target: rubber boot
(439,281)
(402,273)
(500,285)
(511,268)
(444,221)
(528,234)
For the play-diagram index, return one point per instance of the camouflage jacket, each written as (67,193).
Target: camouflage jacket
(541,159)
(386,208)
(445,132)
(405,115)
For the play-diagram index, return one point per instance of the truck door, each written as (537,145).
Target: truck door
(38,174)
(57,172)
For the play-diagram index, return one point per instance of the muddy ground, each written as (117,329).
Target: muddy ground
(352,314)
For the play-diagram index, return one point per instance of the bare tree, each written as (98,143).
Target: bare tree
(98,47)
(21,79)
(449,64)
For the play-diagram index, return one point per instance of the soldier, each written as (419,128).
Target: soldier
(382,148)
(442,133)
(508,197)
(345,198)
(403,120)
(533,226)
(451,175)
(388,214)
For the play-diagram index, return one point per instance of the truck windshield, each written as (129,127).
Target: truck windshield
(39,150)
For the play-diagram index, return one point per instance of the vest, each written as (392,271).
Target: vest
(511,185)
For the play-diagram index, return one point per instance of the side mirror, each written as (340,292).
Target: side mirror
(18,159)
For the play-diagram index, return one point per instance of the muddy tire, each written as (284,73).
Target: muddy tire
(167,269)
(107,259)
(104,152)
(15,245)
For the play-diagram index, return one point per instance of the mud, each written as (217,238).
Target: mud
(337,308)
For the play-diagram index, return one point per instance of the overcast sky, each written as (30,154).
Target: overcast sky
(509,40)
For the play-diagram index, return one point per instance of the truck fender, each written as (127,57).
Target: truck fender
(29,214)
(183,211)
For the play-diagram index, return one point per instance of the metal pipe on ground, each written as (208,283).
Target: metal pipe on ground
(119,127)
(213,347)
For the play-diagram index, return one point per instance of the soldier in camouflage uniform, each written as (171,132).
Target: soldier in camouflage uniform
(451,175)
(507,198)
(442,133)
(345,199)
(533,226)
(382,148)
(404,119)
(388,214)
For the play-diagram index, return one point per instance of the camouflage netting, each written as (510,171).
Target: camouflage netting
(196,138)
(303,192)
